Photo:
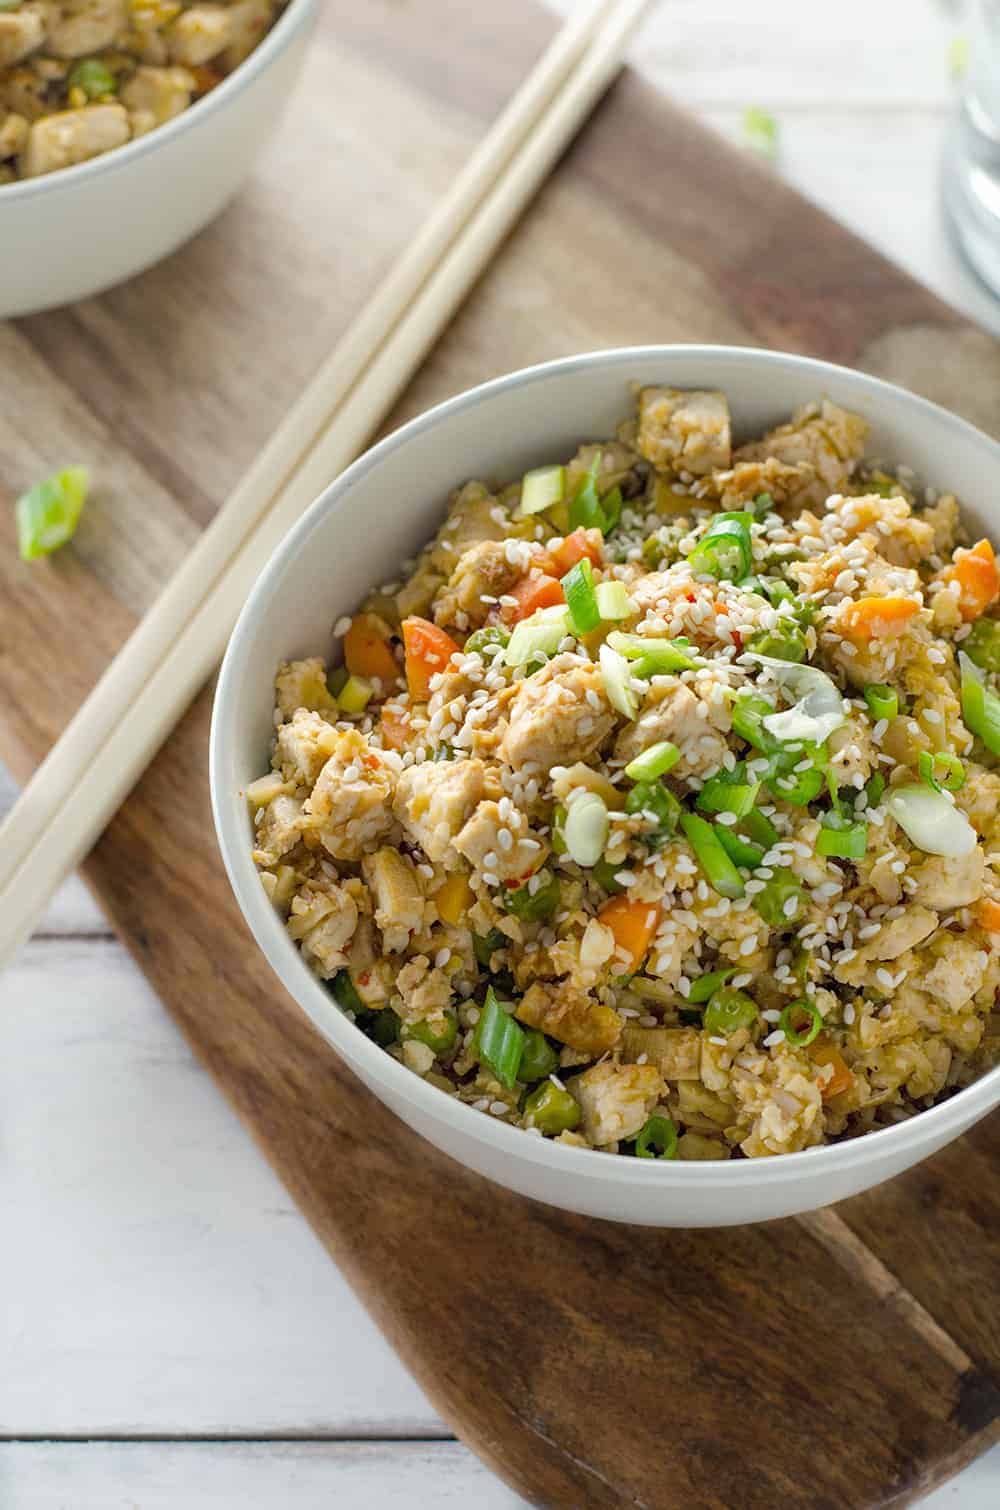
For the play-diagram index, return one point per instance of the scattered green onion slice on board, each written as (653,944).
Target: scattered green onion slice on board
(882,700)
(47,514)
(800,1038)
(499,1041)
(657,1139)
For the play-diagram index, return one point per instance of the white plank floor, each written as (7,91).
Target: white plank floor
(172,1333)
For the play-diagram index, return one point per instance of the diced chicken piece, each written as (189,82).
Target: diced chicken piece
(571,1016)
(399,904)
(852,752)
(943,883)
(979,799)
(434,801)
(958,973)
(425,991)
(279,830)
(352,798)
(21,32)
(739,486)
(248,21)
(200,33)
(674,1051)
(616,1099)
(830,441)
(303,746)
(13,133)
(73,136)
(675,713)
(560,714)
(322,920)
(485,568)
(900,536)
(684,432)
(302,684)
(482,843)
(160,94)
(80,28)
(894,938)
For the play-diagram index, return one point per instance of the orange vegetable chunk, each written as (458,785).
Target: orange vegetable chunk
(428,651)
(633,925)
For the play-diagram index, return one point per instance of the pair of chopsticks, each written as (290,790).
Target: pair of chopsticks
(173,651)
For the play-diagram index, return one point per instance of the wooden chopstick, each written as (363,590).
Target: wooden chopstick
(173,651)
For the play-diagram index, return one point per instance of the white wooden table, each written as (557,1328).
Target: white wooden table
(172,1336)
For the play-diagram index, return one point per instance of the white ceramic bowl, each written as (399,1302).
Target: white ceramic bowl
(385,506)
(70,234)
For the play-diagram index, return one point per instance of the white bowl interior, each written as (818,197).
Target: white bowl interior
(357,534)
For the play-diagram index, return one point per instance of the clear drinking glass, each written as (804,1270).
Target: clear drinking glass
(971,185)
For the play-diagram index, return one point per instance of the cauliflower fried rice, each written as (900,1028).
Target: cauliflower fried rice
(656,808)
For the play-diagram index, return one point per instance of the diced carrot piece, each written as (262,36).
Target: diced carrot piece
(574,548)
(394,724)
(428,651)
(633,925)
(876,618)
(367,652)
(978,579)
(533,592)
(823,1052)
(988,915)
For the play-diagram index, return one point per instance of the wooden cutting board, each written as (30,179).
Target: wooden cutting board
(847,1360)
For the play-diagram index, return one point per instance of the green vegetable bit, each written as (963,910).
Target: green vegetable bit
(487,642)
(759,828)
(728,792)
(440,1039)
(48,514)
(882,700)
(344,993)
(538,1058)
(534,907)
(841,839)
(719,869)
(797,787)
(724,551)
(785,642)
(941,770)
(652,657)
(657,1139)
(604,874)
(761,131)
(740,850)
(93,77)
(499,1041)
(800,1038)
(484,946)
(705,987)
(651,797)
(542,488)
(551,1109)
(980,709)
(654,762)
(982,644)
(772,902)
(581,599)
(728,1011)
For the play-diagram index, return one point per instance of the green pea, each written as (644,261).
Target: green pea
(93,77)
(440,1039)
(551,1109)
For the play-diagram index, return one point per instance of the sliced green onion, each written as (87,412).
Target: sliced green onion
(487,642)
(355,695)
(760,829)
(741,851)
(841,839)
(724,551)
(93,77)
(763,504)
(749,712)
(344,992)
(585,510)
(586,828)
(772,902)
(785,642)
(652,797)
(931,821)
(982,644)
(441,1041)
(540,634)
(797,787)
(800,1038)
(980,706)
(611,504)
(48,514)
(729,1010)
(538,1057)
(882,700)
(552,1110)
(485,945)
(559,829)
(777,591)
(542,488)
(930,762)
(499,1041)
(534,906)
(581,599)
(336,680)
(705,987)
(654,762)
(657,1139)
(613,601)
(874,789)
(728,792)
(719,869)
(653,657)
(604,874)
(617,677)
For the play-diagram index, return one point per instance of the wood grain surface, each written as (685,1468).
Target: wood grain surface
(848,1360)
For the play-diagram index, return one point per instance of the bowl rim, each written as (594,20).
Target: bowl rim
(351,1044)
(297,13)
